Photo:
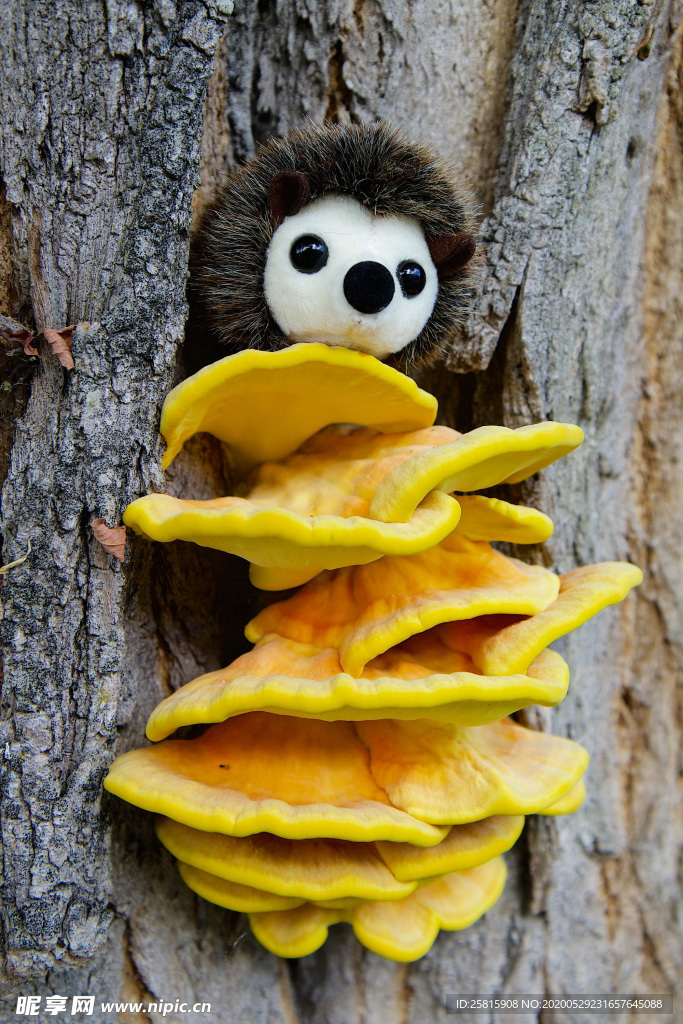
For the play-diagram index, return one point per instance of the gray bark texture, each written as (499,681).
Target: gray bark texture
(567,118)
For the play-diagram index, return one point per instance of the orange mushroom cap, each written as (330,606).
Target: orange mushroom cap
(297,778)
(365,610)
(303,778)
(499,644)
(423,677)
(312,510)
(447,774)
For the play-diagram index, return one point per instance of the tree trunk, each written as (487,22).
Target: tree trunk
(574,146)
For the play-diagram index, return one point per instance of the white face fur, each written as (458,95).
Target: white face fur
(330,298)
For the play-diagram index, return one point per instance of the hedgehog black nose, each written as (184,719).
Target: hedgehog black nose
(369,287)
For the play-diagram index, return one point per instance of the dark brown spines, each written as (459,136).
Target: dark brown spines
(374,164)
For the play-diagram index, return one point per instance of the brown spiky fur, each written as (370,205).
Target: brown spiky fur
(374,164)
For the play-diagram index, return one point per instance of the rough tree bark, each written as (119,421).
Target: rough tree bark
(575,148)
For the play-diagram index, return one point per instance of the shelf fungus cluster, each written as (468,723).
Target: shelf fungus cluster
(359,763)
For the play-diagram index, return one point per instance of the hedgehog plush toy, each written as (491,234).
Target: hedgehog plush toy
(346,235)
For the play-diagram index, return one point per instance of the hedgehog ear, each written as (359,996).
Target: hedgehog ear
(450,253)
(287,193)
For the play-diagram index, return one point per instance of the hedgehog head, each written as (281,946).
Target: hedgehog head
(346,235)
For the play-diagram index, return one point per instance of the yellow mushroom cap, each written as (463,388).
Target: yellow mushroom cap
(447,774)
(397,929)
(325,881)
(568,803)
(500,644)
(294,933)
(231,895)
(465,846)
(265,404)
(307,869)
(481,458)
(423,677)
(297,778)
(286,548)
(304,778)
(406,929)
(492,519)
(311,511)
(328,870)
(364,610)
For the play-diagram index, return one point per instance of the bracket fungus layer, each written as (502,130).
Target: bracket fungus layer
(365,610)
(359,763)
(304,778)
(399,930)
(326,495)
(265,404)
(328,869)
(422,677)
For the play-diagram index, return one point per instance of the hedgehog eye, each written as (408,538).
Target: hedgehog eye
(411,278)
(308,254)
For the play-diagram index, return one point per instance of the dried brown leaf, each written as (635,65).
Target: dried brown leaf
(60,343)
(112,540)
